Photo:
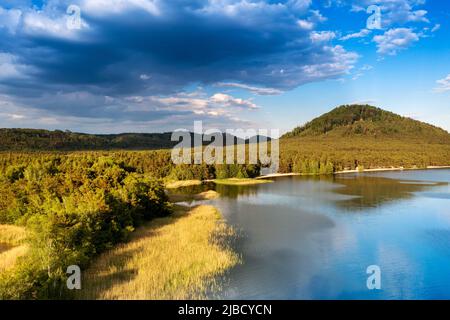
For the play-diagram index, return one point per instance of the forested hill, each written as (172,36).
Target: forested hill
(45,140)
(35,139)
(369,121)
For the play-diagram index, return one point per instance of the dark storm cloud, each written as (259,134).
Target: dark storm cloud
(149,48)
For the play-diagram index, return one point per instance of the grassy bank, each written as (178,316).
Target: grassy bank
(241,182)
(12,235)
(12,246)
(206,195)
(175,257)
(182,183)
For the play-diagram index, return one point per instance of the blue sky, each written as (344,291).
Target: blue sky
(155,65)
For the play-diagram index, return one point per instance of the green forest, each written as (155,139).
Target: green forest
(74,208)
(77,204)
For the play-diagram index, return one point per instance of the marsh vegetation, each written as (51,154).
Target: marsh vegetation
(175,257)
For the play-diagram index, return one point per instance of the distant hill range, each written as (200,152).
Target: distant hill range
(347,123)
(368,121)
(45,140)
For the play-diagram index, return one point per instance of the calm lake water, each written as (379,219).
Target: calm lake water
(313,238)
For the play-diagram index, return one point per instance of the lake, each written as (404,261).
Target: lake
(314,237)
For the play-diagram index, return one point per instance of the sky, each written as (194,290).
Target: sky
(110,66)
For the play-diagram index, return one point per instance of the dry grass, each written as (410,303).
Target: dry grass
(180,197)
(12,235)
(11,245)
(175,257)
(241,182)
(183,183)
(207,195)
(8,258)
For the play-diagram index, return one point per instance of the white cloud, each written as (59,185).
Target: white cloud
(309,23)
(105,7)
(412,16)
(246,11)
(361,71)
(255,90)
(305,24)
(316,16)
(371,102)
(443,85)
(49,21)
(230,101)
(436,28)
(322,36)
(144,77)
(46,22)
(299,5)
(144,113)
(9,67)
(198,103)
(395,40)
(361,34)
(357,8)
(395,11)
(9,19)
(357,76)
(16,116)
(342,64)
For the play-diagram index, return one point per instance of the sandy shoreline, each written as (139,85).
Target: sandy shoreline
(392,169)
(274,175)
